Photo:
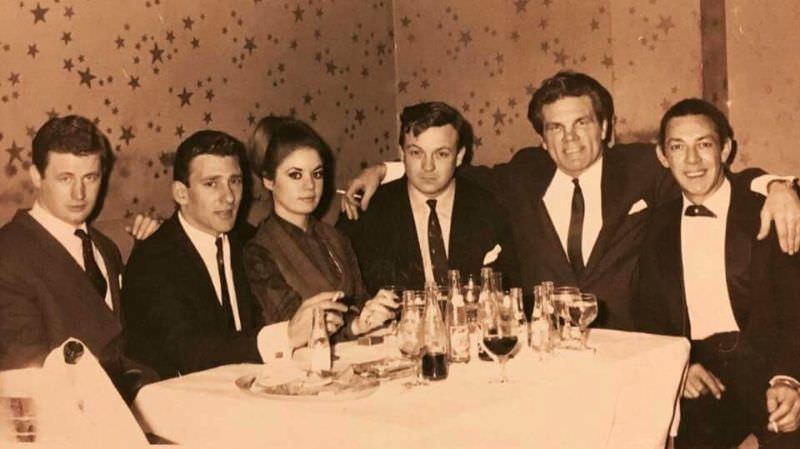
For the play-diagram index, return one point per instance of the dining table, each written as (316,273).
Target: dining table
(623,394)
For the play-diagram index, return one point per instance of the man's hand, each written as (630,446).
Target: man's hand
(376,311)
(783,207)
(783,405)
(365,184)
(144,225)
(699,381)
(300,324)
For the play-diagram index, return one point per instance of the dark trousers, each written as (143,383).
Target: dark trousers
(708,423)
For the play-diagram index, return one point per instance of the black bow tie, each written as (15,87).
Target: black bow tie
(698,210)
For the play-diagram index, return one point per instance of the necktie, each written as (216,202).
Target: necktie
(575,233)
(223,286)
(698,210)
(90,265)
(436,245)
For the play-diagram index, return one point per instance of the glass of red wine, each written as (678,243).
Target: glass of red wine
(499,335)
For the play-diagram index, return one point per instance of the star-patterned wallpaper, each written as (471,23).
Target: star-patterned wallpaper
(764,83)
(487,61)
(151,72)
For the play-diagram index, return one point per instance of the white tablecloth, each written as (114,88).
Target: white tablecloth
(624,396)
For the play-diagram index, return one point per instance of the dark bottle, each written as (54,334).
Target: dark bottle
(434,366)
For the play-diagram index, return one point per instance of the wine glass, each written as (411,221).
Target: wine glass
(499,335)
(587,303)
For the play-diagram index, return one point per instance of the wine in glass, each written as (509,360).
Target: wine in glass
(500,340)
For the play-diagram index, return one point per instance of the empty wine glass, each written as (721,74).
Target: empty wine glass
(499,334)
(588,313)
(562,298)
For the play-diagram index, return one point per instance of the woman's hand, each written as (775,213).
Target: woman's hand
(301,322)
(376,312)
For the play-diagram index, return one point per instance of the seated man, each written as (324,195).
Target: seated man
(706,277)
(60,277)
(431,220)
(186,300)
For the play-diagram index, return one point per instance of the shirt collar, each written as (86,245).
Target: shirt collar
(199,238)
(444,202)
(718,202)
(54,225)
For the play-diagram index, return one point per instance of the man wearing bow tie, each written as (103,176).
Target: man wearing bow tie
(706,277)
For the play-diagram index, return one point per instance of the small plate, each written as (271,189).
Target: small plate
(342,386)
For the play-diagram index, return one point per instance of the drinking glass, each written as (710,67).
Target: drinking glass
(588,313)
(499,334)
(562,298)
(410,333)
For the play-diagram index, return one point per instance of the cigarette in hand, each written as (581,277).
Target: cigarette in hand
(773,426)
(357,196)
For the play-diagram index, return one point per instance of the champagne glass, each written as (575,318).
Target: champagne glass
(410,332)
(499,336)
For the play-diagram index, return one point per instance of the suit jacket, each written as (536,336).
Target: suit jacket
(173,319)
(763,282)
(631,173)
(387,246)
(281,275)
(46,297)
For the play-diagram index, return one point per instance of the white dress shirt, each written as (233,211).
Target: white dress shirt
(421,212)
(558,201)
(703,253)
(64,233)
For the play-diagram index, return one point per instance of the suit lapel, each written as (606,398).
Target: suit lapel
(112,270)
(460,223)
(409,255)
(671,267)
(314,280)
(60,257)
(550,242)
(741,227)
(612,188)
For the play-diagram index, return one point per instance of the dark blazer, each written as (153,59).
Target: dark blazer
(387,246)
(763,282)
(46,297)
(631,173)
(281,275)
(173,319)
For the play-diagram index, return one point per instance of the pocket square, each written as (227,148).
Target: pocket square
(491,256)
(638,207)
(119,281)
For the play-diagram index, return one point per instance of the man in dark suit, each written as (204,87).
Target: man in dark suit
(706,277)
(186,302)
(579,215)
(431,220)
(60,277)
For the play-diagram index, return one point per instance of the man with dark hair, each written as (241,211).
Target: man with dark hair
(431,220)
(60,277)
(581,213)
(706,277)
(186,301)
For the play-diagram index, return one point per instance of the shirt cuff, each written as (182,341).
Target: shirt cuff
(760,184)
(394,171)
(782,378)
(273,341)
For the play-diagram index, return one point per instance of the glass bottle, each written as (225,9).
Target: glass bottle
(541,323)
(318,343)
(523,329)
(435,342)
(456,320)
(487,307)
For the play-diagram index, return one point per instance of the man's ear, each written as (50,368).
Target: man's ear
(660,155)
(180,193)
(727,147)
(460,156)
(36,177)
(267,183)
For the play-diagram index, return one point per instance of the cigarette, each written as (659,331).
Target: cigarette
(773,426)
(357,196)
